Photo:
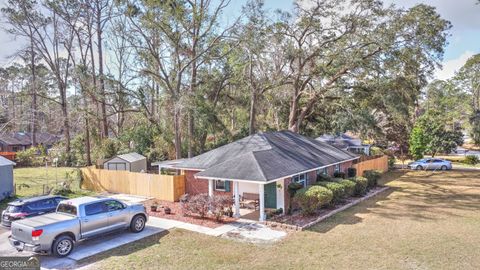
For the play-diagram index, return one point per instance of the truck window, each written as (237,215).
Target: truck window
(67,209)
(95,208)
(114,205)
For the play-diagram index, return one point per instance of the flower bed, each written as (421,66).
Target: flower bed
(303,221)
(177,214)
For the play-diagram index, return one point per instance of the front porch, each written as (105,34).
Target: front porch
(251,198)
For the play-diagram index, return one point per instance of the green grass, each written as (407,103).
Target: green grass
(426,220)
(35,180)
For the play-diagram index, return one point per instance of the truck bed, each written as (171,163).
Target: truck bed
(22,229)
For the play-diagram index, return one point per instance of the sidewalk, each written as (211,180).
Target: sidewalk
(242,228)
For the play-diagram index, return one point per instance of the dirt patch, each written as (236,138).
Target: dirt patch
(177,214)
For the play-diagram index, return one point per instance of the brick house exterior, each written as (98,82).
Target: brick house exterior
(195,186)
(263,164)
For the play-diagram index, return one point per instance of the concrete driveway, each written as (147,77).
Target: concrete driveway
(82,249)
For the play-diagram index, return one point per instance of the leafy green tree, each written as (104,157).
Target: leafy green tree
(432,135)
(417,143)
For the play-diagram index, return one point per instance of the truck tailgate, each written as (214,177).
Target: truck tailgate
(22,229)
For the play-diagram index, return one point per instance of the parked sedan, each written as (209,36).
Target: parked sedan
(30,207)
(431,164)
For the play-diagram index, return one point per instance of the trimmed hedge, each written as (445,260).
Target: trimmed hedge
(372,177)
(349,187)
(311,198)
(361,185)
(337,189)
(339,175)
(323,178)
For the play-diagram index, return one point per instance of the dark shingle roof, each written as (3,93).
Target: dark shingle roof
(266,156)
(25,138)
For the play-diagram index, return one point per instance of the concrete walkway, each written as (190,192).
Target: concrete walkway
(246,230)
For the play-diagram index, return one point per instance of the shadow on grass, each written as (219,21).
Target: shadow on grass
(418,196)
(126,249)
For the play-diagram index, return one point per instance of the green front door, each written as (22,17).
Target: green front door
(271,195)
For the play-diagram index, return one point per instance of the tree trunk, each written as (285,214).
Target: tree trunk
(66,122)
(191,124)
(100,73)
(87,140)
(253,104)
(33,128)
(178,138)
(292,118)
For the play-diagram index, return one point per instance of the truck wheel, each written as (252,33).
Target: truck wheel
(138,224)
(62,246)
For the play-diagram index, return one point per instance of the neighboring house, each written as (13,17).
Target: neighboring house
(6,177)
(263,164)
(346,142)
(132,162)
(19,141)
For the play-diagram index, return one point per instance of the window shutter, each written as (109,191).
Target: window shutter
(227,186)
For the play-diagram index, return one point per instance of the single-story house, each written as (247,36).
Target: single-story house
(132,162)
(346,142)
(19,141)
(6,177)
(263,164)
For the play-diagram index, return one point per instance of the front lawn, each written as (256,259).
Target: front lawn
(33,181)
(426,220)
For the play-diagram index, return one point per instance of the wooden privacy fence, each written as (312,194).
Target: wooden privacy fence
(162,187)
(380,163)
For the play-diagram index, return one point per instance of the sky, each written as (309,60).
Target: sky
(464,39)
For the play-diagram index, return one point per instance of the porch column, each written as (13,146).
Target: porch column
(210,187)
(261,194)
(237,199)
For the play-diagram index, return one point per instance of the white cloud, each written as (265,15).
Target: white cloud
(453,65)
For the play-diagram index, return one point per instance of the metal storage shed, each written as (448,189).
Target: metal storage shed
(132,162)
(6,177)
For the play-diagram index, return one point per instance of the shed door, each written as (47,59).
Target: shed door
(271,195)
(117,166)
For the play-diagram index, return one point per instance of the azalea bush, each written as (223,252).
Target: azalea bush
(337,189)
(311,198)
(196,205)
(361,185)
(372,176)
(349,187)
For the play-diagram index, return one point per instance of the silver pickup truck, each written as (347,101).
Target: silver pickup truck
(75,220)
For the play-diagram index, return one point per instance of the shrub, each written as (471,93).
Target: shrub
(337,189)
(372,177)
(63,189)
(197,204)
(391,162)
(292,188)
(323,177)
(361,185)
(27,157)
(471,159)
(339,175)
(311,198)
(349,187)
(219,205)
(351,172)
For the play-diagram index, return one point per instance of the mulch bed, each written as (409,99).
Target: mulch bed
(176,214)
(297,219)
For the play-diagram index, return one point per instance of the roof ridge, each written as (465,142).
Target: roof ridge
(256,161)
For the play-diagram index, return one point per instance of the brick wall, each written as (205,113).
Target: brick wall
(197,186)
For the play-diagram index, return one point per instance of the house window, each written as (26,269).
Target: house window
(337,168)
(220,185)
(301,179)
(322,171)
